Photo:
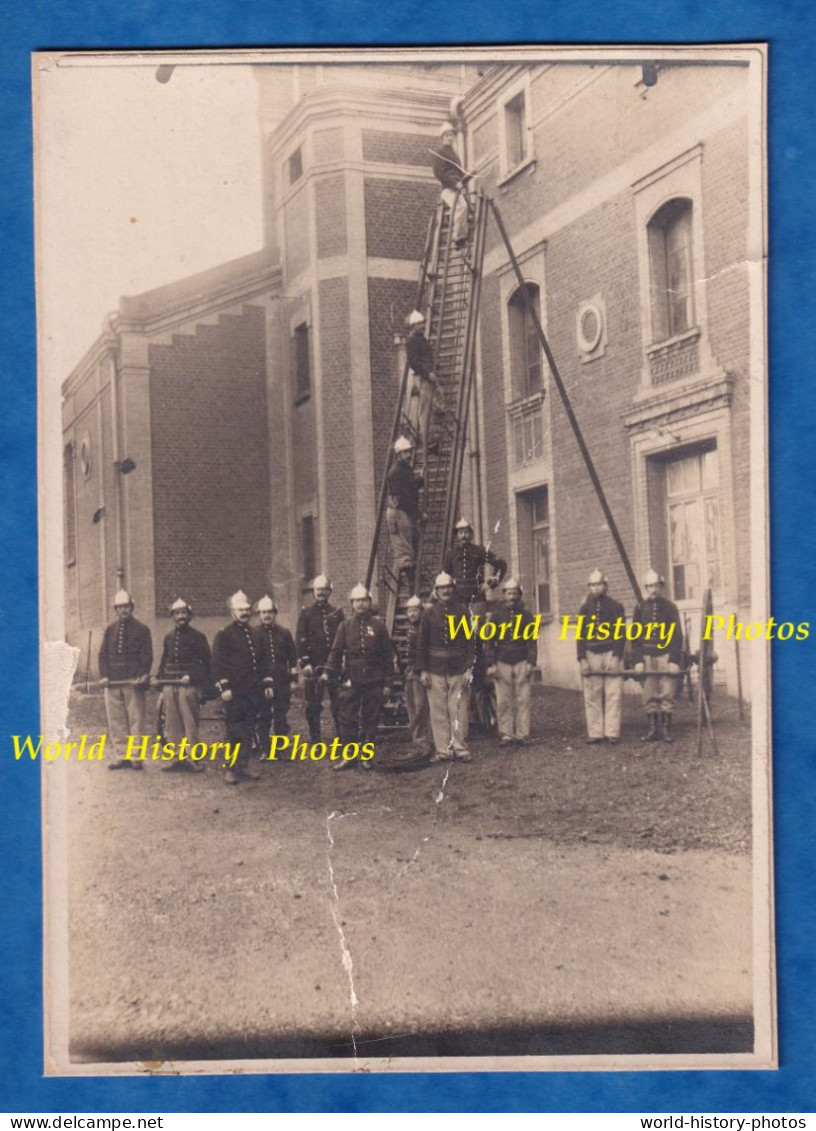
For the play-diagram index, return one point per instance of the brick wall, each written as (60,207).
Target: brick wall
(328,145)
(615,123)
(296,227)
(210,462)
(725,203)
(495,457)
(337,463)
(330,216)
(595,255)
(398,148)
(389,302)
(397,216)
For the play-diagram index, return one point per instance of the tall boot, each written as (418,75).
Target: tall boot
(666,720)
(653,734)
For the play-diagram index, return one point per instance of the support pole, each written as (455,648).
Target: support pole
(593,475)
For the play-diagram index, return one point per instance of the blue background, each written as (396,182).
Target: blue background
(217,23)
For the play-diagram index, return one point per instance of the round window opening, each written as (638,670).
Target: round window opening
(590,328)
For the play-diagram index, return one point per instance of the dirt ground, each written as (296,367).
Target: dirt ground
(555,899)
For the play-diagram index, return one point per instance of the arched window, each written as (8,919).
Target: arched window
(525,347)
(672,269)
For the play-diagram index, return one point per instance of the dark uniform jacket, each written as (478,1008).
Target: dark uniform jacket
(411,638)
(278,655)
(447,167)
(403,489)
(420,354)
(513,649)
(316,629)
(362,650)
(237,659)
(437,651)
(657,610)
(186,652)
(126,651)
(597,611)
(465,562)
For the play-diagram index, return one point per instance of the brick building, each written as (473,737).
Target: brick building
(256,400)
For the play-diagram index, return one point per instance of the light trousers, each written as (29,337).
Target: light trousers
(449,703)
(602,697)
(182,709)
(458,202)
(125,707)
(401,531)
(513,692)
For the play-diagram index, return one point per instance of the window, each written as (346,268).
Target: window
(296,166)
(69,498)
(670,260)
(514,113)
(307,546)
(525,345)
(528,437)
(301,362)
(540,515)
(515,131)
(693,515)
(533,517)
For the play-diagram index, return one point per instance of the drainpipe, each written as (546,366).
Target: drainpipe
(117,459)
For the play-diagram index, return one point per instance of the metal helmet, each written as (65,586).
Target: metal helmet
(180,603)
(463,524)
(321,582)
(122,598)
(511,583)
(416,318)
(403,444)
(266,605)
(239,600)
(443,579)
(414,603)
(447,128)
(359,593)
(597,577)
(653,578)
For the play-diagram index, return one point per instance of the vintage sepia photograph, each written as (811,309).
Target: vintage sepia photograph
(404,560)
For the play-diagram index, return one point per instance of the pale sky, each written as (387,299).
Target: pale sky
(140,183)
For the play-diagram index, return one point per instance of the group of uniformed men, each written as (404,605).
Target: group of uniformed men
(252,668)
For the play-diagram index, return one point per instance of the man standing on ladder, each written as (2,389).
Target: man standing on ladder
(447,169)
(403,514)
(419,353)
(466,561)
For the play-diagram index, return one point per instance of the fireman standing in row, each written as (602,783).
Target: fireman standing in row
(660,665)
(511,660)
(444,662)
(316,629)
(416,696)
(238,670)
(602,695)
(280,662)
(362,658)
(125,658)
(185,660)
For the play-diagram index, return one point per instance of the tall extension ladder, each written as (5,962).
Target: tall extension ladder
(448,293)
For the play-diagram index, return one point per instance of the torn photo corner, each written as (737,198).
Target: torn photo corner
(364,375)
